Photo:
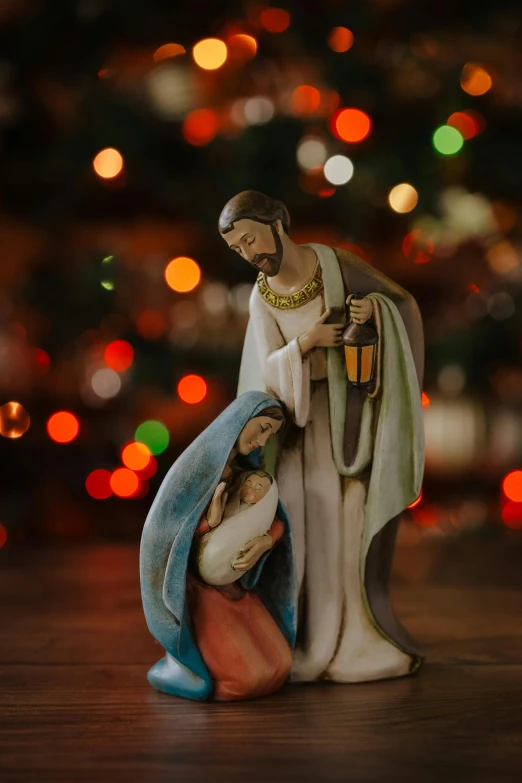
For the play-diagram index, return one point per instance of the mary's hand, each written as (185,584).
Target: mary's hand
(217,505)
(251,552)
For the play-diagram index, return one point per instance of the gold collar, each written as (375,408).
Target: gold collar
(298,298)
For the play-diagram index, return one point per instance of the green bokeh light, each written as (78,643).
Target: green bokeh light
(447,140)
(153,434)
(107,279)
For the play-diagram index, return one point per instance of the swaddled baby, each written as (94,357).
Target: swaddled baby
(249,513)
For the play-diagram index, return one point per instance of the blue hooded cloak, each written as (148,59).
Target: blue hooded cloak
(182,498)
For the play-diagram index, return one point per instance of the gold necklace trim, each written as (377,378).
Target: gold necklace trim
(298,298)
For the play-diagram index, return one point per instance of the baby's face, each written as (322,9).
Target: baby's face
(254,488)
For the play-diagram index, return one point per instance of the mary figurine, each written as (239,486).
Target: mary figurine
(224,642)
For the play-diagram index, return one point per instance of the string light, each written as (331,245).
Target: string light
(340,39)
(210,53)
(14,420)
(351,125)
(182,274)
(63,427)
(192,389)
(153,434)
(98,484)
(108,163)
(118,355)
(403,198)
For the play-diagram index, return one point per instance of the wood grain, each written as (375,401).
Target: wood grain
(75,704)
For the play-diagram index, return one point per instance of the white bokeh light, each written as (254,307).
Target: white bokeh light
(311,152)
(258,110)
(106,383)
(338,170)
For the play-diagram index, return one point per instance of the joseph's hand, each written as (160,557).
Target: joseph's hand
(322,335)
(361,310)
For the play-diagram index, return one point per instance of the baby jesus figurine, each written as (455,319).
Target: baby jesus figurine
(225,548)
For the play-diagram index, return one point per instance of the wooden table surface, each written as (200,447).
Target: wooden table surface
(75,704)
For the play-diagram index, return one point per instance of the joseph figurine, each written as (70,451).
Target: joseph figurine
(349,463)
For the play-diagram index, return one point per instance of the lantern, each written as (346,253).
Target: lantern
(360,351)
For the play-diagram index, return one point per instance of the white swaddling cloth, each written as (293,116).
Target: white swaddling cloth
(220,547)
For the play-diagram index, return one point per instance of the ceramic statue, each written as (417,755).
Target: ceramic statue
(352,457)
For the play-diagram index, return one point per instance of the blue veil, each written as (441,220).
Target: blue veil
(183,496)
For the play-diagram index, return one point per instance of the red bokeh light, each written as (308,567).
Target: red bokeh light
(512,515)
(192,389)
(424,517)
(425,400)
(150,470)
(3,535)
(512,486)
(119,355)
(200,126)
(43,360)
(63,427)
(150,324)
(98,484)
(305,99)
(351,125)
(275,20)
(124,483)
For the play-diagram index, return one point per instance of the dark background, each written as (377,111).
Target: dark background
(79,77)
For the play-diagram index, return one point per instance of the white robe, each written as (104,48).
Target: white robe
(337,638)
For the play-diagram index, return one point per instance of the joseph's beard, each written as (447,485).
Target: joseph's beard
(270,263)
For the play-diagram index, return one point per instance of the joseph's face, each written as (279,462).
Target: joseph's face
(257,243)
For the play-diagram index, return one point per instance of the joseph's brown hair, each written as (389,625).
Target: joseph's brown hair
(253,205)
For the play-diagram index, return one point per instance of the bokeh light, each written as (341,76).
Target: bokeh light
(241,46)
(512,515)
(311,152)
(200,126)
(14,420)
(275,20)
(124,482)
(512,486)
(501,305)
(136,456)
(305,99)
(106,383)
(503,258)
(108,163)
(167,51)
(150,470)
(467,125)
(192,389)
(150,324)
(425,400)
(107,274)
(475,80)
(182,274)
(338,170)
(403,198)
(3,535)
(447,140)
(340,39)
(351,125)
(258,110)
(63,427)
(43,361)
(118,355)
(210,54)
(153,434)
(98,484)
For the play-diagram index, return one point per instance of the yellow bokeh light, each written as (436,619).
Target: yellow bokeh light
(108,163)
(403,198)
(210,54)
(182,274)
(475,80)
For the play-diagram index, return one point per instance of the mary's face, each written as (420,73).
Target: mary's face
(255,433)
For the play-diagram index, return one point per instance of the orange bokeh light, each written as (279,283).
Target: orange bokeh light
(467,126)
(98,484)
(425,400)
(182,274)
(150,324)
(242,46)
(512,486)
(192,389)
(63,427)
(150,470)
(416,502)
(167,51)
(14,420)
(210,53)
(351,125)
(3,535)
(200,126)
(124,483)
(305,99)
(275,20)
(108,163)
(136,456)
(475,80)
(119,355)
(340,39)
